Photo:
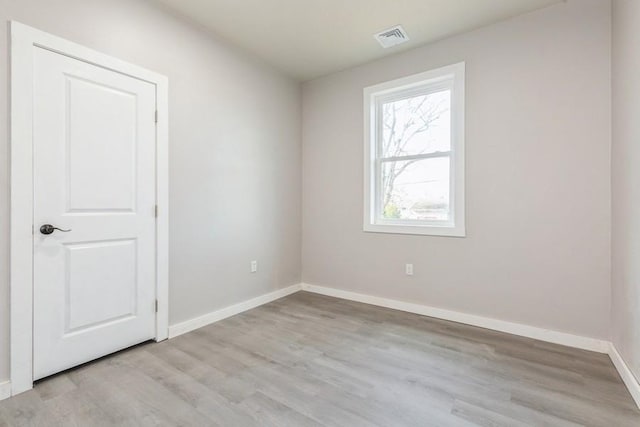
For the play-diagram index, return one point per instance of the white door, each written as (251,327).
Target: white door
(94,175)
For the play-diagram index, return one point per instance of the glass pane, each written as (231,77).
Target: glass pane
(417,125)
(416,190)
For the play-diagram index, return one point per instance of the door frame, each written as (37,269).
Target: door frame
(24,40)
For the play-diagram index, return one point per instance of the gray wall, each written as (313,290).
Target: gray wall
(538,177)
(625,307)
(234,151)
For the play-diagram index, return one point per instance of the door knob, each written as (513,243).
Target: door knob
(48,229)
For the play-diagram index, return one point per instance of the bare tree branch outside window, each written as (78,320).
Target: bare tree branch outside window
(403,121)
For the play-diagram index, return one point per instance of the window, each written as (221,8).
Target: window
(414,154)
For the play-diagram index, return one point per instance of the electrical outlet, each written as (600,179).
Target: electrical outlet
(408,269)
(254,266)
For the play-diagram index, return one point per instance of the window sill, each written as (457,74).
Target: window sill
(419,230)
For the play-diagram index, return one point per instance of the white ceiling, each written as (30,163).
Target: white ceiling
(310,38)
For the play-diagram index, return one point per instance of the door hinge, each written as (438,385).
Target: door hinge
(155,211)
(156,116)
(156,307)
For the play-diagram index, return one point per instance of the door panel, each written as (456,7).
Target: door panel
(94,173)
(101,147)
(99,268)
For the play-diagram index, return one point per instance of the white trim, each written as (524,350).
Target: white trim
(627,376)
(162,201)
(556,337)
(23,41)
(223,313)
(5,390)
(452,76)
(21,241)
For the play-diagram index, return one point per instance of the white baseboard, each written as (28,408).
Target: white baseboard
(541,334)
(5,390)
(223,313)
(627,376)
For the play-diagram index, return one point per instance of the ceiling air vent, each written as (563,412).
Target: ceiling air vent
(392,36)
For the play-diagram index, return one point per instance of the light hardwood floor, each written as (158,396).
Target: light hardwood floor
(310,360)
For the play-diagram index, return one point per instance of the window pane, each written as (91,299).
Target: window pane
(416,190)
(417,125)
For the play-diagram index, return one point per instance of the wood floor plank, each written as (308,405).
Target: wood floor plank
(76,408)
(26,409)
(269,412)
(311,360)
(483,416)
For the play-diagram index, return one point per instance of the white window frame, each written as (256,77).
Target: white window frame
(451,77)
